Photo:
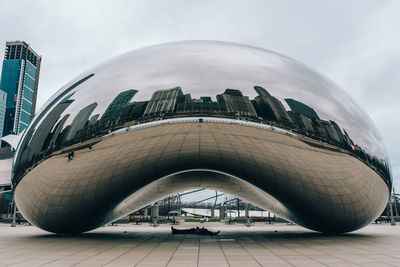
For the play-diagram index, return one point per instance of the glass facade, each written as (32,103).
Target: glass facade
(10,76)
(29,82)
(30,70)
(19,80)
(25,118)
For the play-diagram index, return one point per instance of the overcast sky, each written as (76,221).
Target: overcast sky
(354,43)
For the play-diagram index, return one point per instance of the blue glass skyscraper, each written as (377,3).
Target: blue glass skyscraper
(19,79)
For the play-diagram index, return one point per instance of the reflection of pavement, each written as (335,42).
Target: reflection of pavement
(321,189)
(5,171)
(375,245)
(232,213)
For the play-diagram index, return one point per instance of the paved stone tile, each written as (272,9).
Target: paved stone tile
(261,245)
(272,261)
(187,254)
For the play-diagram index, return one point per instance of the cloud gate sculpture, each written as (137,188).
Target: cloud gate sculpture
(201,114)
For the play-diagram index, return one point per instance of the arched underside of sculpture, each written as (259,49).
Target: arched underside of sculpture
(318,188)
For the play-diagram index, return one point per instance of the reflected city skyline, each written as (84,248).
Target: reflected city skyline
(170,103)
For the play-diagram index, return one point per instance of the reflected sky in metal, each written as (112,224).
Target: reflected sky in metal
(207,68)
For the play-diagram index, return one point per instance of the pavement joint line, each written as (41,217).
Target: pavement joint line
(262,244)
(307,256)
(72,253)
(79,262)
(150,239)
(24,253)
(169,260)
(240,244)
(198,253)
(223,252)
(144,240)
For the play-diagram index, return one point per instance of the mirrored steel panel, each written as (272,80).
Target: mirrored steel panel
(154,121)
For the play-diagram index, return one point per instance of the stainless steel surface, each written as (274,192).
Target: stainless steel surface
(292,141)
(6,159)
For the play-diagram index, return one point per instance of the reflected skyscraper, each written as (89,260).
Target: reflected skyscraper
(79,121)
(42,133)
(55,140)
(119,102)
(93,119)
(19,79)
(302,123)
(163,101)
(270,107)
(301,108)
(235,102)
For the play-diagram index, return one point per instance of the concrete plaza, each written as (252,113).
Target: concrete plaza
(236,245)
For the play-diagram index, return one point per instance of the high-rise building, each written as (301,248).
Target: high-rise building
(163,101)
(320,129)
(301,108)
(270,107)
(235,102)
(19,79)
(42,134)
(338,133)
(55,138)
(3,100)
(79,122)
(303,124)
(118,104)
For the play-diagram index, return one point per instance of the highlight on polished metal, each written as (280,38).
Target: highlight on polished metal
(201,114)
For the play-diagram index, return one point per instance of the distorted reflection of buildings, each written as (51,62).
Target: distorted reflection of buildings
(163,101)
(43,133)
(204,105)
(118,105)
(79,122)
(236,103)
(270,108)
(301,108)
(173,103)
